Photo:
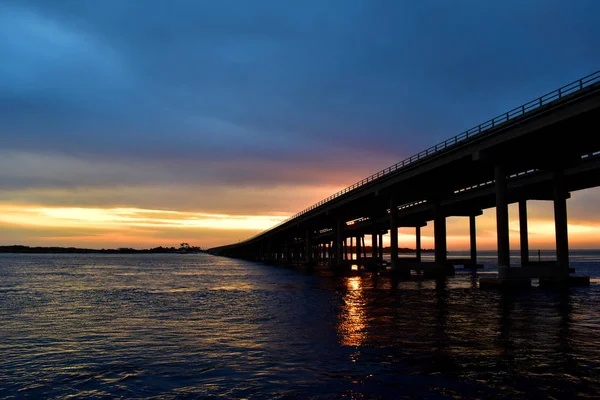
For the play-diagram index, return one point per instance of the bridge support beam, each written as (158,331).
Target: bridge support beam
(473,236)
(560,221)
(380,241)
(394,233)
(524,232)
(502,220)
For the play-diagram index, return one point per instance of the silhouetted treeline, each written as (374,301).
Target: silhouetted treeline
(123,250)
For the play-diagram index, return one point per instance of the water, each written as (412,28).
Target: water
(197,326)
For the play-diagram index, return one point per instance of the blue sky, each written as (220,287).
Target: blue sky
(261,107)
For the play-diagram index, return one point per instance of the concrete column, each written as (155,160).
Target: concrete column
(364,247)
(394,233)
(286,252)
(523,232)
(418,243)
(351,246)
(308,251)
(380,242)
(358,249)
(374,244)
(502,218)
(560,221)
(439,228)
(473,234)
(339,235)
(346,251)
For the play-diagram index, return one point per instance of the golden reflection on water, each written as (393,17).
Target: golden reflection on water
(353,321)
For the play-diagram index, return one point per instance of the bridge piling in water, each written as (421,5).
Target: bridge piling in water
(308,247)
(560,221)
(374,236)
(439,228)
(523,232)
(502,227)
(339,235)
(394,233)
(473,239)
(418,249)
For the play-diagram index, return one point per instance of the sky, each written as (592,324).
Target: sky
(149,123)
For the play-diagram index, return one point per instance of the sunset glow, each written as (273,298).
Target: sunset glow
(123,218)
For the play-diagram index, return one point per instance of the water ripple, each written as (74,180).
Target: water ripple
(196,326)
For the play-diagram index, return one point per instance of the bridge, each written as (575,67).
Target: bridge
(542,150)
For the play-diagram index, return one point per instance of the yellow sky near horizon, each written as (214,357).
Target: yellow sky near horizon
(109,227)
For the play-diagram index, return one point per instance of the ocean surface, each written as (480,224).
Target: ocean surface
(179,326)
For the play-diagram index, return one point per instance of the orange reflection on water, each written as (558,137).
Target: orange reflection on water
(353,322)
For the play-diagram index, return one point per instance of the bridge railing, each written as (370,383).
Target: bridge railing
(516,112)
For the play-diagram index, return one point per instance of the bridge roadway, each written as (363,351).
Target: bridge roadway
(542,150)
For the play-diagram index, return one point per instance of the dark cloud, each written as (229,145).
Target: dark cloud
(193,88)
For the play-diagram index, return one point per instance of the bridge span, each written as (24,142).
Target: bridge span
(542,150)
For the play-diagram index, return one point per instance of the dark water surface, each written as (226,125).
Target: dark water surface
(198,326)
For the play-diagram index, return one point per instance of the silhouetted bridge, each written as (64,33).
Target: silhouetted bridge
(541,150)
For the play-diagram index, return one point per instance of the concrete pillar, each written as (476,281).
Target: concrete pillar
(502,218)
(339,235)
(418,243)
(358,249)
(286,252)
(394,233)
(523,232)
(560,221)
(439,228)
(380,242)
(346,251)
(473,235)
(351,246)
(374,244)
(364,246)
(308,251)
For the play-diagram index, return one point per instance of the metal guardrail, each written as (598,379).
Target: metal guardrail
(532,105)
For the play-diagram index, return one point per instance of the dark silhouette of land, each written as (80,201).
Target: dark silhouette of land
(184,248)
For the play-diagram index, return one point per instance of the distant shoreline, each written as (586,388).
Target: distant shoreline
(174,250)
(77,250)
(155,250)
